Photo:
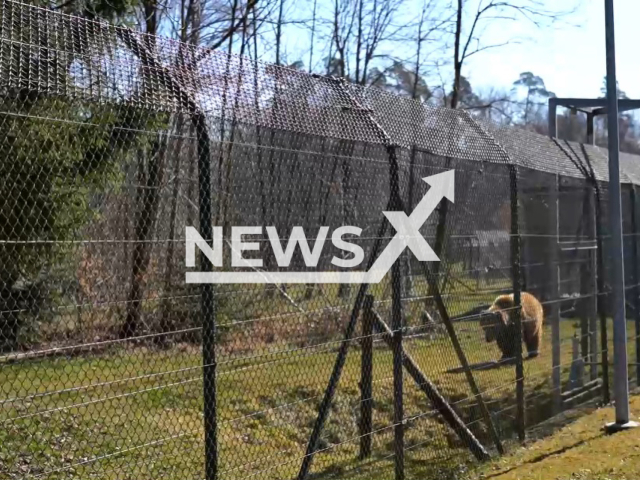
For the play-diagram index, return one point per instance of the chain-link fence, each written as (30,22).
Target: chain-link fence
(114,367)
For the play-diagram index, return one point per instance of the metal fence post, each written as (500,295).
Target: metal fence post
(366,378)
(552,120)
(585,284)
(636,277)
(601,299)
(207,303)
(554,306)
(462,358)
(621,381)
(199,122)
(515,272)
(592,289)
(437,400)
(397,325)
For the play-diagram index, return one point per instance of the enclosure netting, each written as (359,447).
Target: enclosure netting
(113,142)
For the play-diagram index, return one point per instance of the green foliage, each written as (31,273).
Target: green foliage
(603,90)
(54,155)
(93,9)
(401,80)
(268,400)
(534,100)
(47,171)
(534,85)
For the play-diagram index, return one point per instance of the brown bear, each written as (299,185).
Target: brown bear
(499,325)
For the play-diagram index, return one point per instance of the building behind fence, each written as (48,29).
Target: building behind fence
(112,366)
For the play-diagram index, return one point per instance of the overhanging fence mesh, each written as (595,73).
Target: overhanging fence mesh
(109,357)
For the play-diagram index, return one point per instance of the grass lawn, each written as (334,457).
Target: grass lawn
(581,450)
(136,412)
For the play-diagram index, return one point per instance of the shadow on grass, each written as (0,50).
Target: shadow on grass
(541,457)
(484,366)
(380,466)
(490,365)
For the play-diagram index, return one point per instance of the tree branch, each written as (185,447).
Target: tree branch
(232,30)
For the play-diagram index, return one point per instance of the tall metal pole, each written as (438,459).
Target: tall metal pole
(397,325)
(553,126)
(621,385)
(208,308)
(515,275)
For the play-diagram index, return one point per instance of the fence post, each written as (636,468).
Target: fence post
(323,411)
(584,269)
(366,379)
(554,306)
(406,258)
(515,273)
(198,119)
(585,334)
(602,314)
(621,368)
(462,358)
(592,300)
(208,303)
(397,324)
(576,378)
(636,277)
(437,400)
(327,399)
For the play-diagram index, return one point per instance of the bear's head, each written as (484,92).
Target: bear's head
(493,322)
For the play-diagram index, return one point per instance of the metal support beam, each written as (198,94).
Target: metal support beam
(598,107)
(592,284)
(554,293)
(438,402)
(603,111)
(624,103)
(636,274)
(553,127)
(620,384)
(516,282)
(397,325)
(208,306)
(462,358)
(366,379)
(590,136)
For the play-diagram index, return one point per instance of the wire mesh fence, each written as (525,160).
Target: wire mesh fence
(113,366)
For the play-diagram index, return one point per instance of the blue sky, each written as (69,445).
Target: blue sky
(570,60)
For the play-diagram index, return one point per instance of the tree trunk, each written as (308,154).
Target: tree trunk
(148,200)
(189,33)
(165,319)
(457,62)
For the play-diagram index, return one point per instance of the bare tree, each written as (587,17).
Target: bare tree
(150,167)
(279,32)
(467,41)
(358,31)
(151,161)
(313,33)
(190,14)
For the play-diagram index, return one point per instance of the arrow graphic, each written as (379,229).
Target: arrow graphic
(407,236)
(407,227)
